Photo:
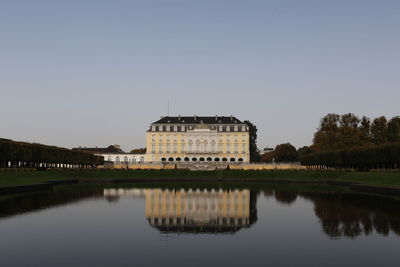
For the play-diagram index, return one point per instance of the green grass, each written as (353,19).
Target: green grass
(386,179)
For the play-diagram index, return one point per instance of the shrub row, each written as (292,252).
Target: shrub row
(367,157)
(11,151)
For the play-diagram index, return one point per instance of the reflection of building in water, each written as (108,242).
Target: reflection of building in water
(200,210)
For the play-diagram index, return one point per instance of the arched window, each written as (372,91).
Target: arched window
(178,159)
(117,159)
(126,159)
(163,159)
(216,159)
(109,158)
(201,159)
(187,159)
(224,159)
(194,159)
(240,159)
(232,159)
(171,159)
(209,159)
(141,159)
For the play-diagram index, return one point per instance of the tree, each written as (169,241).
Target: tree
(303,150)
(327,134)
(285,153)
(254,154)
(393,129)
(138,151)
(349,133)
(365,131)
(379,130)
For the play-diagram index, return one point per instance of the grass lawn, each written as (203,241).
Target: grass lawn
(386,179)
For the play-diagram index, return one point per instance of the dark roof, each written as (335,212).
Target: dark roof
(109,149)
(199,119)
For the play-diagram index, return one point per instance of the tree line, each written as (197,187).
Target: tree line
(31,155)
(347,141)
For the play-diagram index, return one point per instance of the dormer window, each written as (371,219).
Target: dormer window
(175,128)
(168,128)
(183,128)
(243,128)
(235,128)
(153,128)
(220,128)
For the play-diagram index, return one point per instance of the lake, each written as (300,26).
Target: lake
(184,225)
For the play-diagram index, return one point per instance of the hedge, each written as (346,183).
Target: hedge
(32,154)
(366,157)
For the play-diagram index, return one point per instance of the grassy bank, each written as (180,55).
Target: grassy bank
(382,179)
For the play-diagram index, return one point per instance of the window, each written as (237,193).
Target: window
(228,148)
(220,128)
(175,128)
(153,148)
(141,159)
(126,159)
(183,148)
(236,148)
(235,128)
(168,128)
(160,148)
(243,128)
(243,148)
(153,128)
(183,128)
(109,158)
(117,159)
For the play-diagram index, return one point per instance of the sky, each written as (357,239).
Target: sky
(94,73)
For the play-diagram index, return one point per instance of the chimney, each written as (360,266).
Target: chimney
(231,118)
(216,117)
(195,117)
(179,117)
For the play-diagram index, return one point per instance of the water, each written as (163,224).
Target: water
(156,226)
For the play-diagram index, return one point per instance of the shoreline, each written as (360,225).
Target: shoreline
(382,183)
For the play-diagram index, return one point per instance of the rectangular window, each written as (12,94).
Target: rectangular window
(183,128)
(168,128)
(243,148)
(160,148)
(175,128)
(236,148)
(235,128)
(153,128)
(228,148)
(220,128)
(243,128)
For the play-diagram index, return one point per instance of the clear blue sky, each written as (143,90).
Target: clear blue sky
(93,73)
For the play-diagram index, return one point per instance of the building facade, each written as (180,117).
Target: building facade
(197,139)
(114,154)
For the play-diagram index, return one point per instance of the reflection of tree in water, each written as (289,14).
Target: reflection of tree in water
(285,197)
(348,215)
(351,215)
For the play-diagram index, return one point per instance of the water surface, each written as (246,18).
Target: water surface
(176,226)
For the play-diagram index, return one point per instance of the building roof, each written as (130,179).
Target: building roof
(198,119)
(107,150)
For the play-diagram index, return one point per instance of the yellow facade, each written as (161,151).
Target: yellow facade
(198,142)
